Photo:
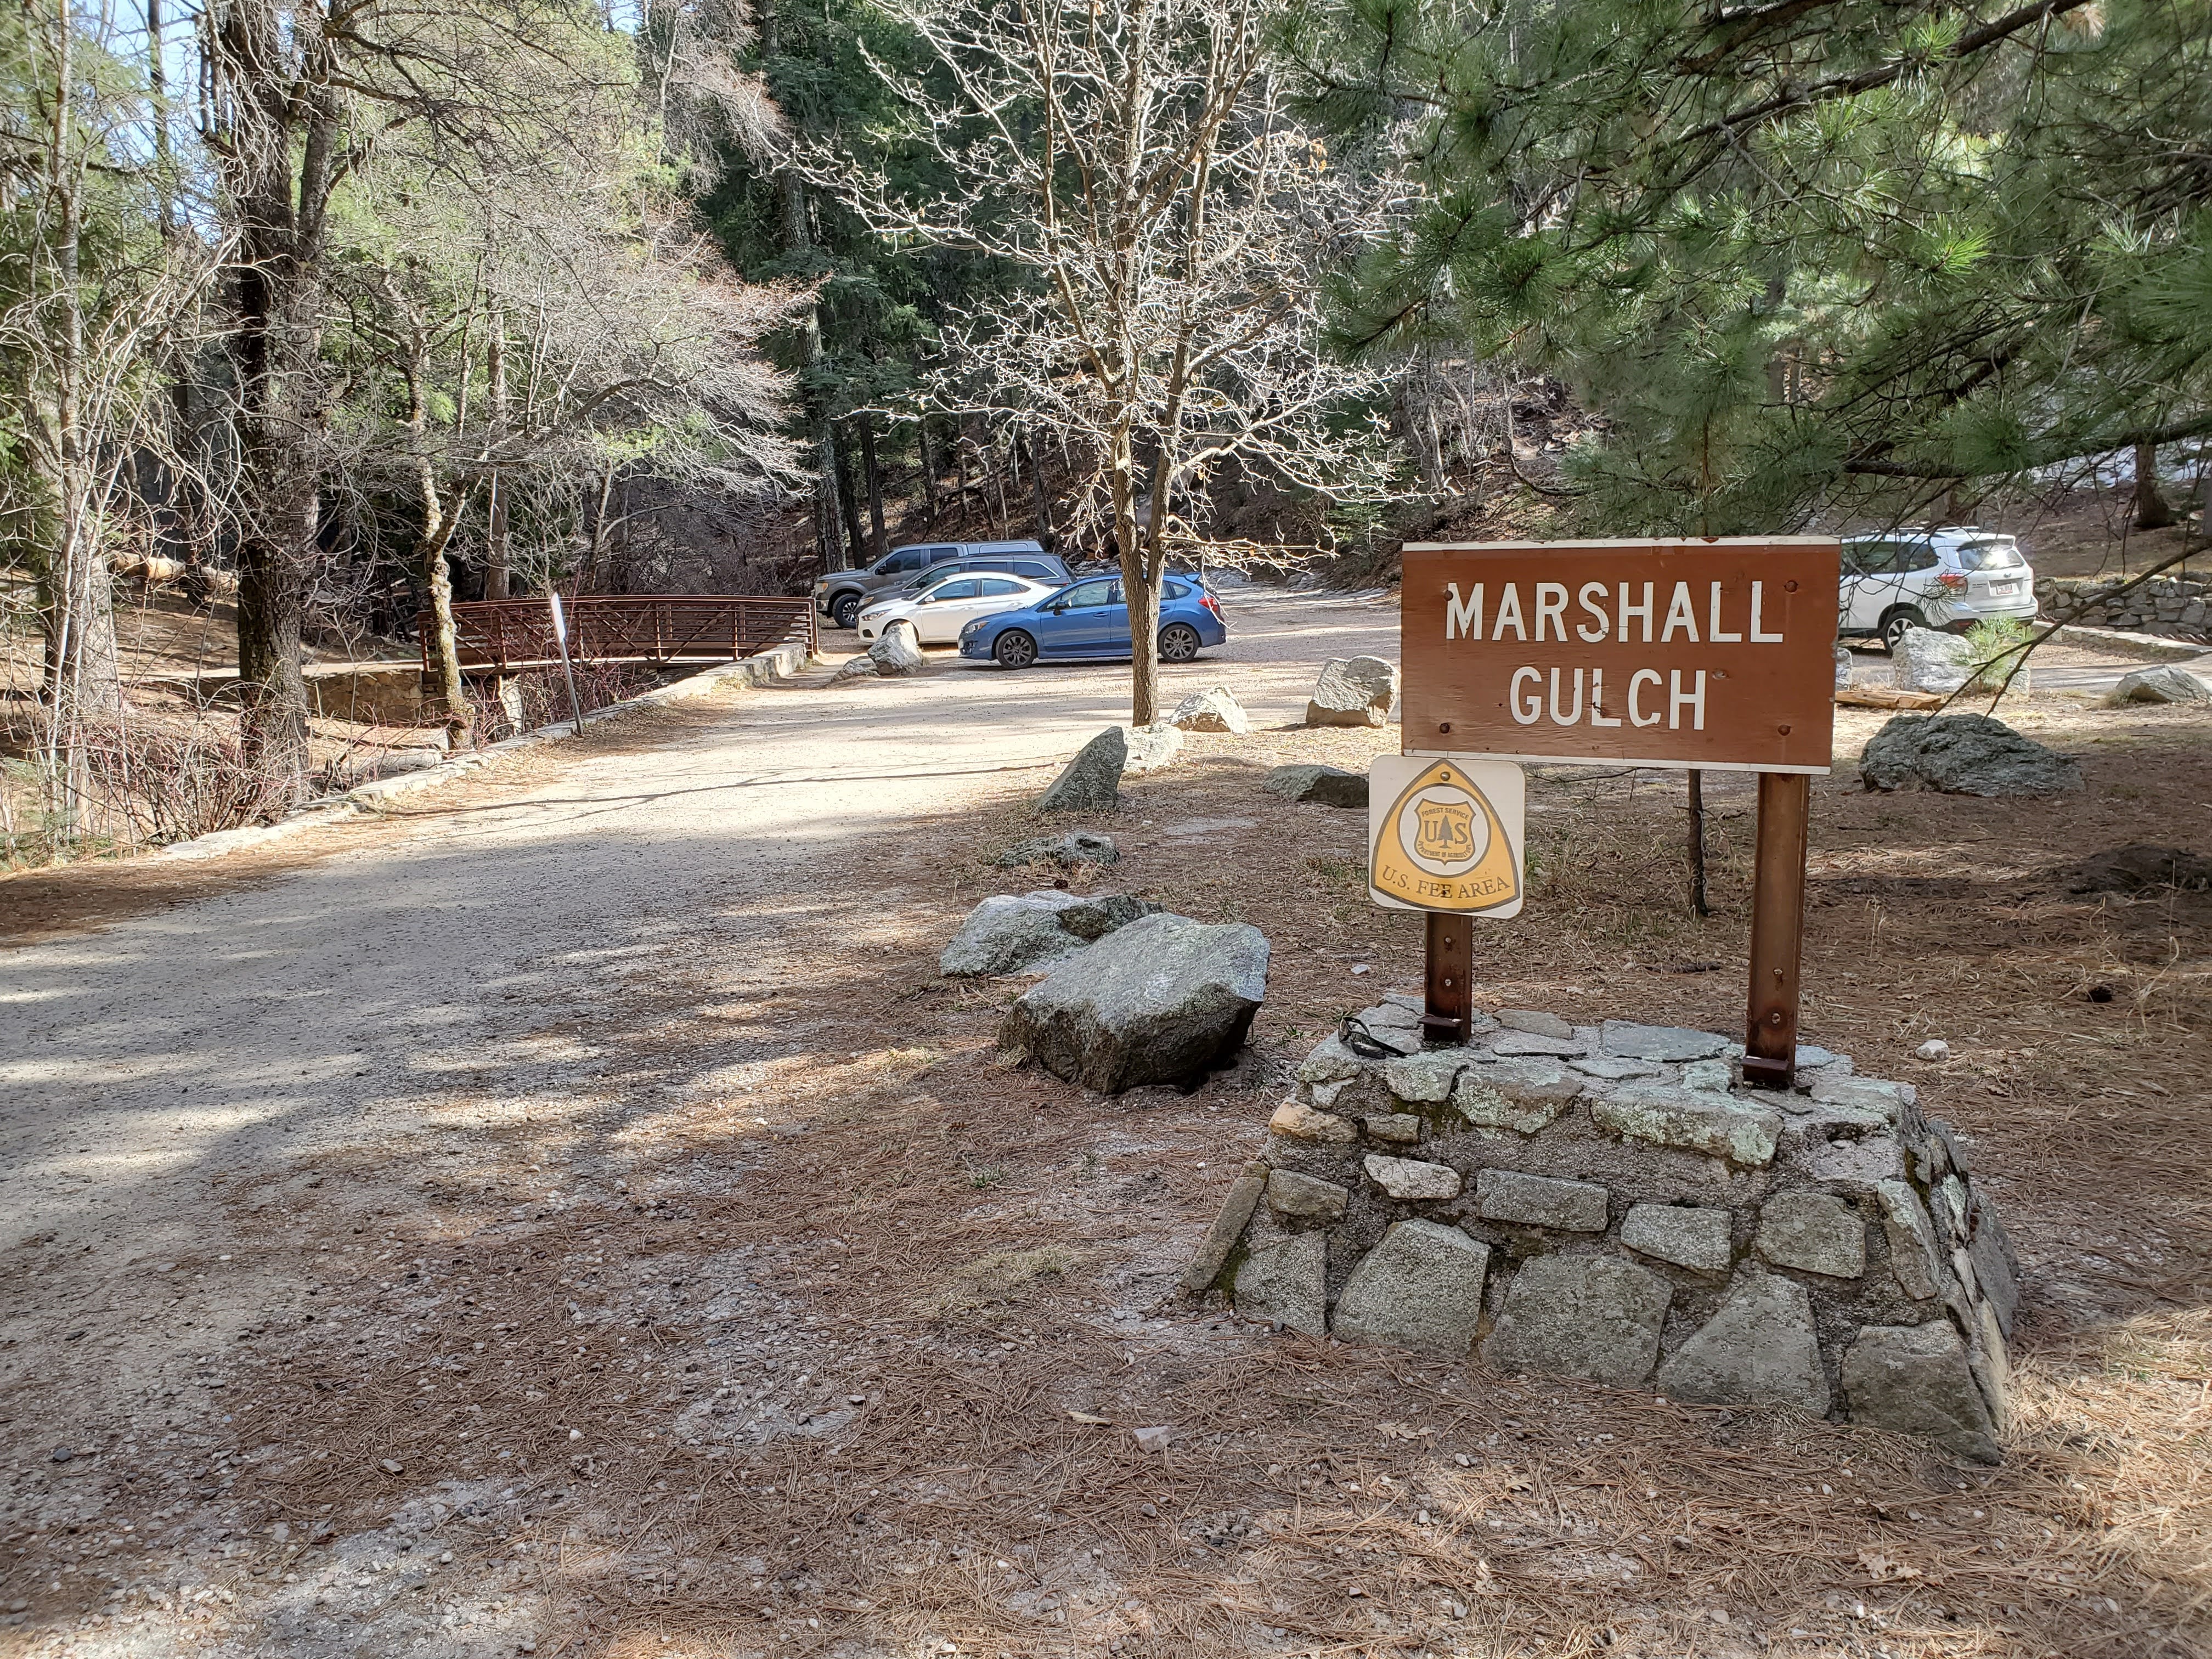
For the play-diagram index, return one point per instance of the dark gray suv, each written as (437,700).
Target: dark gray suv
(840,594)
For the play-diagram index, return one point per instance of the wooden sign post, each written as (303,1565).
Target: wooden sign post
(1712,655)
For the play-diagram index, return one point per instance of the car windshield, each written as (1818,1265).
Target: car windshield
(2003,555)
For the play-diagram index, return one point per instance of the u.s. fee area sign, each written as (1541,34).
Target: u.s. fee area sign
(1712,654)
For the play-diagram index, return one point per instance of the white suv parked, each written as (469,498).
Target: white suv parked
(1947,578)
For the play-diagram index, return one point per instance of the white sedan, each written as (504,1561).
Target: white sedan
(941,610)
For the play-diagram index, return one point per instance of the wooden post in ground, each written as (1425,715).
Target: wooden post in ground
(1449,993)
(1777,929)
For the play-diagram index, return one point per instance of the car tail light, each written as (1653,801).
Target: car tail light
(1210,602)
(1953,580)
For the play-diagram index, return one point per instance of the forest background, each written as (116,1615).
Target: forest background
(337,312)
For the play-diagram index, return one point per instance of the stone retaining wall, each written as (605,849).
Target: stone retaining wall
(2174,607)
(1610,1202)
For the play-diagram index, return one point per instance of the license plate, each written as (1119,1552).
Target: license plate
(2001,589)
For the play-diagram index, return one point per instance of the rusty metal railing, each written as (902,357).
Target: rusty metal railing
(507,636)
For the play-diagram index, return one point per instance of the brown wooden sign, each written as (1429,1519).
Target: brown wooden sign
(1717,654)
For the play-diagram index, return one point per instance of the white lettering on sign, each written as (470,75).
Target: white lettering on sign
(1463,614)
(1562,697)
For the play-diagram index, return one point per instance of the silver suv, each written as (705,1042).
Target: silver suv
(840,594)
(1950,578)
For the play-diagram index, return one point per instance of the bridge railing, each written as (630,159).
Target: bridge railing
(502,636)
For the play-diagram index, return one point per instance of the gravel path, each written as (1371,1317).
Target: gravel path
(177,1083)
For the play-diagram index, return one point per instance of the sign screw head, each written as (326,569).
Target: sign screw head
(1783,730)
(1443,726)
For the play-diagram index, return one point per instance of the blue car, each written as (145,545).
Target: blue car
(1089,619)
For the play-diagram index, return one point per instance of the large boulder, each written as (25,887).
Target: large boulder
(2166,682)
(1324,786)
(1005,935)
(1150,748)
(1076,846)
(899,650)
(1091,782)
(1211,710)
(1963,755)
(1154,1002)
(1927,660)
(1354,691)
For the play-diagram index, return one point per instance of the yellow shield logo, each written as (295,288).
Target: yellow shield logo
(1441,845)
(1445,830)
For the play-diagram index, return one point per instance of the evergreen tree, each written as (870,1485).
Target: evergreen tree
(1806,256)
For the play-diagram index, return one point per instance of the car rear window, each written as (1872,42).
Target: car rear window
(1991,556)
(1175,590)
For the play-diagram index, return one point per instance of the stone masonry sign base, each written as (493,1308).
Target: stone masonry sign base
(1612,1202)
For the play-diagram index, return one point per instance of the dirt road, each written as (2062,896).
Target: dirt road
(573,1216)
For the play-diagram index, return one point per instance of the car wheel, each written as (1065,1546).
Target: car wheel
(1179,642)
(845,609)
(1015,649)
(1894,624)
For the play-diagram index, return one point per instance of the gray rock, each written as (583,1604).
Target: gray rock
(1295,1121)
(1282,1278)
(1534,1022)
(1811,1057)
(1963,755)
(1093,916)
(1990,1251)
(1298,1197)
(1987,1359)
(1076,846)
(1842,667)
(1718,1125)
(1661,1043)
(1420,1287)
(1004,935)
(1322,786)
(1912,1259)
(1091,782)
(1525,1094)
(1211,710)
(1411,1179)
(1676,1233)
(1515,1044)
(1330,1061)
(1614,1069)
(1927,660)
(1758,1350)
(898,651)
(1581,1316)
(862,667)
(1153,1002)
(1426,1078)
(2166,682)
(1870,1094)
(1228,1226)
(1863,1164)
(1354,691)
(1712,1077)
(1915,1379)
(1815,1232)
(1398,1128)
(1575,1206)
(1150,748)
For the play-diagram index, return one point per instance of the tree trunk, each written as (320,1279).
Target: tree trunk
(280,164)
(875,485)
(847,497)
(498,552)
(599,529)
(1140,595)
(1041,496)
(928,468)
(2152,512)
(430,549)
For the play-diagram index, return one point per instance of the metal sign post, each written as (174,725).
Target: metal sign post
(1705,655)
(560,638)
